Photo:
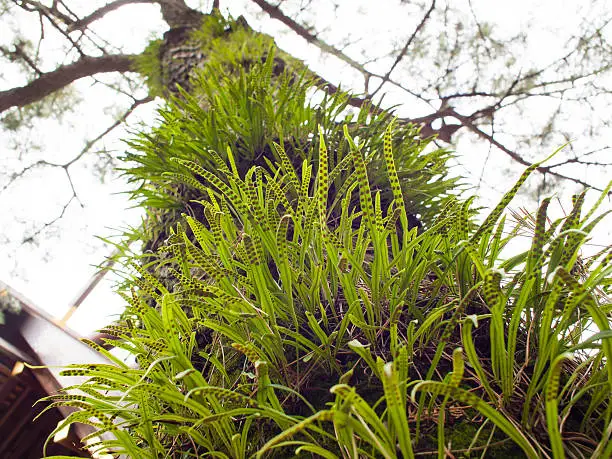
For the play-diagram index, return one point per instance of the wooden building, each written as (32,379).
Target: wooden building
(32,338)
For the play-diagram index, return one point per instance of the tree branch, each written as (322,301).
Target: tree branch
(444,133)
(82,24)
(66,168)
(178,14)
(89,144)
(276,13)
(52,81)
(20,54)
(32,5)
(31,237)
(402,53)
(466,121)
(86,148)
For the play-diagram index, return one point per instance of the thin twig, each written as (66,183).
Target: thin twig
(82,24)
(404,50)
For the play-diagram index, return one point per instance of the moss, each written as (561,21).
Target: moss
(149,66)
(226,44)
(232,43)
(462,433)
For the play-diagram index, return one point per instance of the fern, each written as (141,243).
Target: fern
(288,304)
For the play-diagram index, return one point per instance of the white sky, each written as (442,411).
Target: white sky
(53,273)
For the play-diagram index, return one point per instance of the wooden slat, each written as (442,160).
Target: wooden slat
(24,406)
(11,382)
(6,416)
